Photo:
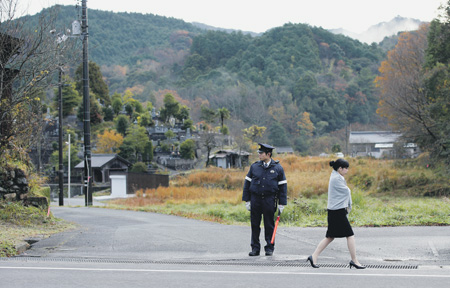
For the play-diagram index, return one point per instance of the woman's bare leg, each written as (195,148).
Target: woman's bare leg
(352,249)
(322,245)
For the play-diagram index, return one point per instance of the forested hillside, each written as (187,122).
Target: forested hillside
(300,82)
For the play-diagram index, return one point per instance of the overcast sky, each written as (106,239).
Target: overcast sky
(261,15)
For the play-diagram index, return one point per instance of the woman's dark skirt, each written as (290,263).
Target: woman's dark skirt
(338,225)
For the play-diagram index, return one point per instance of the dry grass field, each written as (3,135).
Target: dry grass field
(384,192)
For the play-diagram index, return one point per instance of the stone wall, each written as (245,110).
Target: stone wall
(14,187)
(13,184)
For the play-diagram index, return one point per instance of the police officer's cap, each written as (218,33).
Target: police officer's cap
(265,148)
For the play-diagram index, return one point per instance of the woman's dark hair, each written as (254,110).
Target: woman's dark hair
(339,163)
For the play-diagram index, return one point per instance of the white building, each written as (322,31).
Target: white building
(379,144)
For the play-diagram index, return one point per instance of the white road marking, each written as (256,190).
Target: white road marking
(226,272)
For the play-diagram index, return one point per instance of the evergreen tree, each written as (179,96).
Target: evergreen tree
(70,96)
(187,149)
(122,124)
(278,136)
(96,83)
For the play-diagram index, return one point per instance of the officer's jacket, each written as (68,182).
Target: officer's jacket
(266,181)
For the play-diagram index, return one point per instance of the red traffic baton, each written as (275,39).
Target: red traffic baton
(276,226)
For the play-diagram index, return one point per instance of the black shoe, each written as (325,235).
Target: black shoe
(254,253)
(356,266)
(311,262)
(269,253)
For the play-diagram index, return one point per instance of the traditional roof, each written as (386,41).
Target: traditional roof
(224,153)
(373,137)
(281,150)
(100,160)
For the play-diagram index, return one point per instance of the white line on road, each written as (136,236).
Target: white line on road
(227,272)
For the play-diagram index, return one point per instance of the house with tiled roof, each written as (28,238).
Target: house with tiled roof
(103,164)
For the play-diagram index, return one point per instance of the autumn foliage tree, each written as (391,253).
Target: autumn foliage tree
(254,133)
(404,99)
(109,142)
(305,126)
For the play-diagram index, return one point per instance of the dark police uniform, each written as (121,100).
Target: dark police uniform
(262,187)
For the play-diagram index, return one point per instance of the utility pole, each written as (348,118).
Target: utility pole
(60,137)
(86,105)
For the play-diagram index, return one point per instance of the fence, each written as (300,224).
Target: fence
(136,181)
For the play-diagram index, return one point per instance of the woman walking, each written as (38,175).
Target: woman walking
(339,205)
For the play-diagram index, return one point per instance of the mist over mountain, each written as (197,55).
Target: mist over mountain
(378,32)
(209,27)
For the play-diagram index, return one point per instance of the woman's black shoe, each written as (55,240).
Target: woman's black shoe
(356,266)
(311,262)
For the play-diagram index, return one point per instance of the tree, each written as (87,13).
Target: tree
(305,126)
(208,141)
(137,139)
(183,113)
(188,123)
(207,114)
(278,135)
(70,97)
(169,134)
(96,83)
(254,133)
(108,142)
(29,60)
(187,149)
(223,114)
(145,120)
(171,107)
(438,50)
(108,114)
(122,124)
(139,167)
(94,109)
(224,130)
(148,152)
(409,92)
(117,104)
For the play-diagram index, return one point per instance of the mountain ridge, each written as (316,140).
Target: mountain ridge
(376,33)
(290,74)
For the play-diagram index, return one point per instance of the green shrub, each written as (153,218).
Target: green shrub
(139,167)
(7,249)
(363,181)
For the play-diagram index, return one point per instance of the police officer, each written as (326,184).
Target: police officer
(264,184)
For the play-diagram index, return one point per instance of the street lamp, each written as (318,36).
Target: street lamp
(68,172)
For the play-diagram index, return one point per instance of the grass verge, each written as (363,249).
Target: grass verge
(384,193)
(368,211)
(18,223)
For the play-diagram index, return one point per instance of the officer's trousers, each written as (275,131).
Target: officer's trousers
(262,206)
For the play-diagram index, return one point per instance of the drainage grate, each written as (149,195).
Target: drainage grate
(200,263)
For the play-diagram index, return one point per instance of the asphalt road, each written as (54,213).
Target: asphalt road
(114,248)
